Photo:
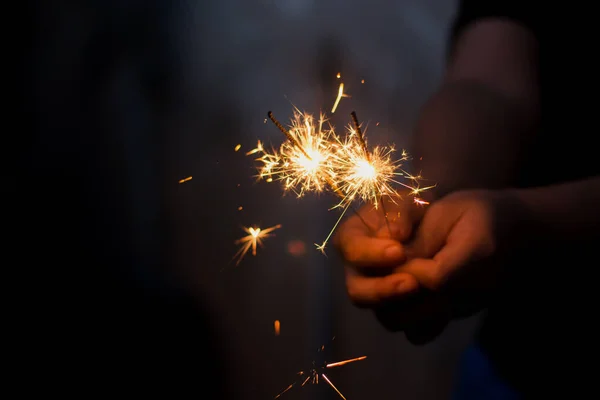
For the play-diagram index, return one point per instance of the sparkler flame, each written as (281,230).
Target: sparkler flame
(315,158)
(252,240)
(302,162)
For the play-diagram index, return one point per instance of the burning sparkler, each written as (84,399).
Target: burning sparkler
(252,241)
(312,375)
(302,161)
(369,176)
(314,158)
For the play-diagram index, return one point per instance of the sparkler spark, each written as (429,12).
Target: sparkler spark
(252,240)
(315,158)
(366,175)
(277,326)
(189,178)
(312,375)
(338,98)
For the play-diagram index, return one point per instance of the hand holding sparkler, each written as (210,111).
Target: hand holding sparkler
(456,249)
(381,246)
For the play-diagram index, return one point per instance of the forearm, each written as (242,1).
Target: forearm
(470,136)
(472,131)
(559,213)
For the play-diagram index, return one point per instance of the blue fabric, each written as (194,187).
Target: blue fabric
(477,379)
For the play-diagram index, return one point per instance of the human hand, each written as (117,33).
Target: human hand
(451,263)
(370,243)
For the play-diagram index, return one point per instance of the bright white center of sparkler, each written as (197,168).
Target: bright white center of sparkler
(364,170)
(311,164)
(254,232)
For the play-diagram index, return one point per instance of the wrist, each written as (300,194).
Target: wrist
(517,212)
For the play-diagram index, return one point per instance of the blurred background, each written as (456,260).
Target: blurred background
(127,98)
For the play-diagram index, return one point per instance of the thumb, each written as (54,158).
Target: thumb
(434,230)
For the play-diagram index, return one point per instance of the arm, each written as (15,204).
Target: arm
(470,133)
(560,212)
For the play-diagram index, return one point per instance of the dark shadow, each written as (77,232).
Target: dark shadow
(88,220)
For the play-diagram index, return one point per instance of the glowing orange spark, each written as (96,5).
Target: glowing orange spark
(240,208)
(189,178)
(237,147)
(277,326)
(339,75)
(252,241)
(362,81)
(420,202)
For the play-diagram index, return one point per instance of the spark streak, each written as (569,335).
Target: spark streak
(338,98)
(312,376)
(342,363)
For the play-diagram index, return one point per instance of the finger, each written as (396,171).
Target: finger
(373,291)
(428,272)
(354,225)
(361,250)
(433,230)
(435,273)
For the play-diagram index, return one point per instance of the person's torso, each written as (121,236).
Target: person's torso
(543,325)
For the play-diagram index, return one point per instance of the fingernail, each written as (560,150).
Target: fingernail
(393,252)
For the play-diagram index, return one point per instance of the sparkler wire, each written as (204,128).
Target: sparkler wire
(363,143)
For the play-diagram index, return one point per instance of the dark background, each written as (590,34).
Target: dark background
(125,98)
